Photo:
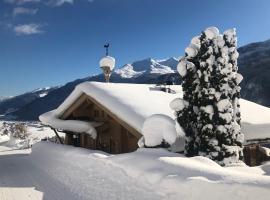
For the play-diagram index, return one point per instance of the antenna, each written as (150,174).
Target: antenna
(106,46)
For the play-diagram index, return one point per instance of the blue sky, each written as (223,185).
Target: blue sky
(51,42)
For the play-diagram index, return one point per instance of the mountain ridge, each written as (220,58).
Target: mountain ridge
(254,65)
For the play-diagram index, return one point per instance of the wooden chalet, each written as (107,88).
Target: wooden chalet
(110,116)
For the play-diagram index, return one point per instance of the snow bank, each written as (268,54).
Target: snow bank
(76,126)
(163,174)
(158,128)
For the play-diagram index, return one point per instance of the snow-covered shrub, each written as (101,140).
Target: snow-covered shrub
(158,130)
(4,129)
(211,115)
(18,130)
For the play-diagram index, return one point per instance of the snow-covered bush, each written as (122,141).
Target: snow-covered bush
(4,129)
(211,115)
(159,130)
(18,130)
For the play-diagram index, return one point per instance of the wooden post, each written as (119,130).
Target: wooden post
(57,136)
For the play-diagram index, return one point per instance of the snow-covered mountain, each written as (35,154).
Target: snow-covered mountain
(9,105)
(3,98)
(147,66)
(254,65)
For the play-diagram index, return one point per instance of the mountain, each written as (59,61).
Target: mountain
(254,65)
(144,71)
(146,67)
(12,104)
(2,98)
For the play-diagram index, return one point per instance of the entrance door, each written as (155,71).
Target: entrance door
(77,140)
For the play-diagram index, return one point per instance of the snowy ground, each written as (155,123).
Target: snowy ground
(51,171)
(54,171)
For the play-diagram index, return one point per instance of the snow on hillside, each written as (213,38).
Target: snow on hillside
(54,171)
(147,66)
(127,71)
(35,133)
(2,98)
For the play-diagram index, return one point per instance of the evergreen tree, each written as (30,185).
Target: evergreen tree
(187,115)
(218,129)
(210,114)
(238,137)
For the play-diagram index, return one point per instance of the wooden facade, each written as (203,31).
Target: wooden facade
(253,154)
(113,135)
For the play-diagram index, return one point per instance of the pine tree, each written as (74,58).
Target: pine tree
(219,135)
(209,112)
(238,137)
(187,115)
(210,83)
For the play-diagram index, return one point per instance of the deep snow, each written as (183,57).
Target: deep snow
(54,171)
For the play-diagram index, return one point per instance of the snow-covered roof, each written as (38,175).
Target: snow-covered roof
(134,103)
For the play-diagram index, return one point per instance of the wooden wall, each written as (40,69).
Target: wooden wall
(112,137)
(253,156)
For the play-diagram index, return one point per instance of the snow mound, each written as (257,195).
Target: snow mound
(158,128)
(107,61)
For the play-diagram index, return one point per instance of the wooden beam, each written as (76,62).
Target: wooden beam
(74,106)
(57,135)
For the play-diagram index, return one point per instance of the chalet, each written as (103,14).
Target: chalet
(110,116)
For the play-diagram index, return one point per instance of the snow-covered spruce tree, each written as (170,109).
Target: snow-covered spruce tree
(187,110)
(216,123)
(231,41)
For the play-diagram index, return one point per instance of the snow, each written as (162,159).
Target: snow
(147,66)
(144,100)
(224,105)
(76,126)
(265,150)
(191,51)
(43,94)
(178,104)
(239,78)
(53,171)
(35,133)
(107,61)
(141,102)
(128,72)
(181,68)
(158,128)
(211,32)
